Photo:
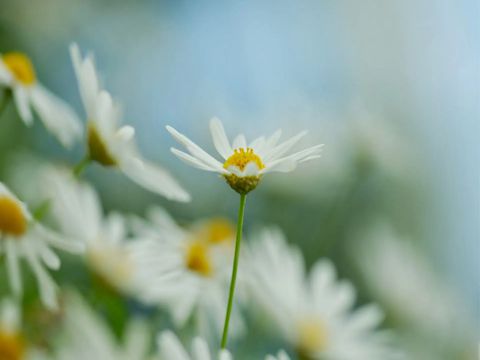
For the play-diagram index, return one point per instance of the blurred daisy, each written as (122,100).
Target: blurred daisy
(78,212)
(22,236)
(87,336)
(185,270)
(171,348)
(111,144)
(18,76)
(419,299)
(282,355)
(243,164)
(12,343)
(315,314)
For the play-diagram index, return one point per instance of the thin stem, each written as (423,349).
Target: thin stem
(80,167)
(233,280)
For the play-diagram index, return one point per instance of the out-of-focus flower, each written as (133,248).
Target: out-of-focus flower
(313,314)
(12,343)
(78,211)
(88,337)
(170,347)
(402,279)
(21,236)
(282,355)
(17,74)
(111,144)
(185,269)
(244,164)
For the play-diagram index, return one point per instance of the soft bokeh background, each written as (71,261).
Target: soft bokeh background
(391,88)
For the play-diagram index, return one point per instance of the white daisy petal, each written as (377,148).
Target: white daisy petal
(13,266)
(57,116)
(239,142)
(281,149)
(193,161)
(6,77)
(200,349)
(153,178)
(220,139)
(194,149)
(170,347)
(22,102)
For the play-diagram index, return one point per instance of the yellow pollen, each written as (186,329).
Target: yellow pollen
(241,157)
(312,336)
(198,258)
(12,219)
(216,231)
(12,346)
(21,67)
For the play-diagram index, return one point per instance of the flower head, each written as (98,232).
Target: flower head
(112,144)
(244,165)
(12,344)
(21,236)
(17,75)
(313,314)
(185,269)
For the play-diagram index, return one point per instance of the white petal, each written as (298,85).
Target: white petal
(46,285)
(192,161)
(137,340)
(22,102)
(153,178)
(87,78)
(13,266)
(195,150)
(170,347)
(49,257)
(58,241)
(251,169)
(281,149)
(220,139)
(126,133)
(6,77)
(225,355)
(289,163)
(58,117)
(239,142)
(200,349)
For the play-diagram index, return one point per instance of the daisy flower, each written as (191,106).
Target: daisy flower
(244,165)
(170,347)
(185,270)
(12,343)
(17,75)
(111,144)
(282,355)
(313,314)
(23,237)
(79,214)
(87,336)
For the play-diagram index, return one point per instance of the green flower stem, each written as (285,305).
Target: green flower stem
(233,280)
(81,166)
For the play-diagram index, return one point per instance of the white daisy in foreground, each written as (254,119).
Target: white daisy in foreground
(313,314)
(243,164)
(171,348)
(87,336)
(23,237)
(12,343)
(17,76)
(185,270)
(111,144)
(78,212)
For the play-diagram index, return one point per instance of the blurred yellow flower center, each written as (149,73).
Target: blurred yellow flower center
(241,157)
(21,67)
(216,231)
(111,263)
(97,149)
(312,336)
(12,346)
(198,258)
(12,219)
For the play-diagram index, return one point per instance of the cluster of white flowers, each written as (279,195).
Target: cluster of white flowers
(184,270)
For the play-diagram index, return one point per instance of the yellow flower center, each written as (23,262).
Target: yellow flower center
(198,258)
(312,337)
(112,264)
(12,219)
(241,157)
(12,346)
(21,67)
(216,231)
(97,149)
